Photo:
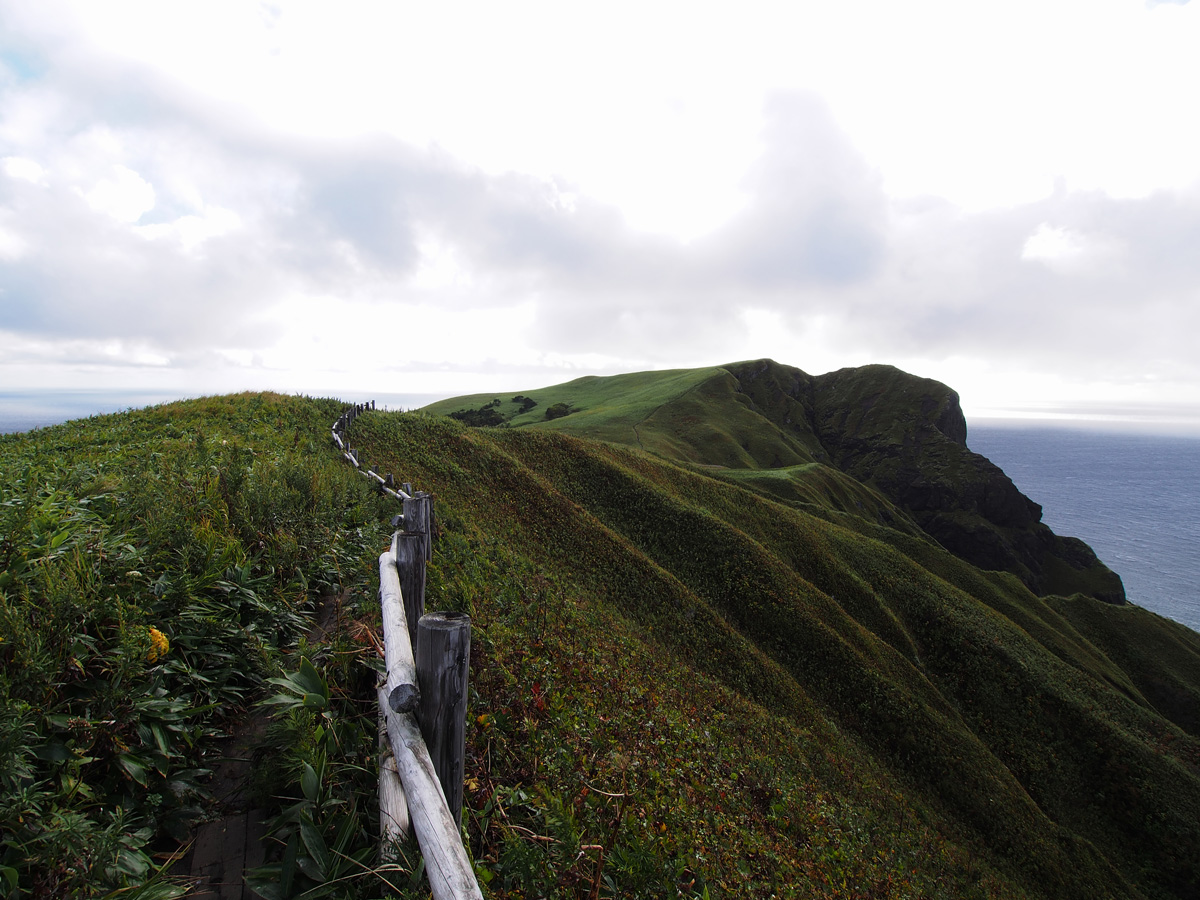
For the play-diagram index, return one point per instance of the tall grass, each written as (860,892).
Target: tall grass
(680,687)
(158,566)
(971,739)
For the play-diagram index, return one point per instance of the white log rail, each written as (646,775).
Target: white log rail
(340,434)
(451,876)
(412,788)
(394,823)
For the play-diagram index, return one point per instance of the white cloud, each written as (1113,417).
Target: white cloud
(1053,244)
(628,186)
(12,246)
(1065,251)
(192,231)
(124,195)
(25,169)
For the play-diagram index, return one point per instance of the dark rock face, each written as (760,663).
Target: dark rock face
(907,437)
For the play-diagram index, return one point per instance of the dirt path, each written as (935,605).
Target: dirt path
(223,849)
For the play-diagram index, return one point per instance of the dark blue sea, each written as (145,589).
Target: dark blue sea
(1135,498)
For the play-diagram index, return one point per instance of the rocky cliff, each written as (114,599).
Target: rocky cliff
(907,437)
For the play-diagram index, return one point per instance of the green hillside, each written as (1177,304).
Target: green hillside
(873,441)
(766,679)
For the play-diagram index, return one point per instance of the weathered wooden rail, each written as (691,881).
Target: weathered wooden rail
(422,701)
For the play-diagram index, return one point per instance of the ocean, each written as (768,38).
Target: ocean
(1134,497)
(26,410)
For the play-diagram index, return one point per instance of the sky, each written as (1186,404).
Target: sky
(366,199)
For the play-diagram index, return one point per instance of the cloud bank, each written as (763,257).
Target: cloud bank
(147,226)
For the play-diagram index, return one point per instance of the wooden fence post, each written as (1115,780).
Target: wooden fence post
(418,517)
(409,550)
(450,873)
(443,654)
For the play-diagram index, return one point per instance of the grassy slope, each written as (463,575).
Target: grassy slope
(695,416)
(967,703)
(890,447)
(670,413)
(718,687)
(221,523)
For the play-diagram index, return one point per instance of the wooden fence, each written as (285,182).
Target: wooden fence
(423,700)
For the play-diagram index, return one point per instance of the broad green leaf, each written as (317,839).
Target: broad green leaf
(134,767)
(287,871)
(346,832)
(310,870)
(315,844)
(132,862)
(310,783)
(288,700)
(160,739)
(53,751)
(265,881)
(311,679)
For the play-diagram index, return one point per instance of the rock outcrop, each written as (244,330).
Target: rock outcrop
(907,437)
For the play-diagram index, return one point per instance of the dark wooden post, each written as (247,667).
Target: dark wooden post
(438,832)
(418,517)
(443,652)
(409,550)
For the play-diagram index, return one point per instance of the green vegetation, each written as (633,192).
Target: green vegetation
(486,416)
(158,567)
(693,681)
(891,447)
(802,707)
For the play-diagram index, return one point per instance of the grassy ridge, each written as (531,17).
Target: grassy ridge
(681,686)
(1017,737)
(158,566)
(892,446)
(671,413)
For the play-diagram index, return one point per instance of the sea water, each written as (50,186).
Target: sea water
(1135,498)
(26,410)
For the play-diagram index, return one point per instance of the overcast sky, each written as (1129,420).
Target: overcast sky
(361,198)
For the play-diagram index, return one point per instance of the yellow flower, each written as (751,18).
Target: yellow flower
(159,645)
